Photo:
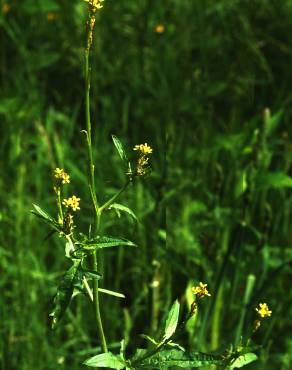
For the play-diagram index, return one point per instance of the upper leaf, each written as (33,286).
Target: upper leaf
(120,148)
(106,360)
(171,321)
(105,242)
(45,217)
(120,207)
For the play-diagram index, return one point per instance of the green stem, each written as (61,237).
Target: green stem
(94,200)
(59,204)
(113,198)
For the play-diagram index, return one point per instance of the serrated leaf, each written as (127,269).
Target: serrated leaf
(106,360)
(169,358)
(120,148)
(65,292)
(243,360)
(111,292)
(120,207)
(171,321)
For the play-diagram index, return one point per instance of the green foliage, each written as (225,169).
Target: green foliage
(221,169)
(71,278)
(242,360)
(171,321)
(168,359)
(106,360)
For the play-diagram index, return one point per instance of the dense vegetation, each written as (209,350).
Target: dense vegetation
(207,84)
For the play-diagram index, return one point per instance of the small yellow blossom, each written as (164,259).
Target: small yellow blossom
(72,202)
(60,174)
(95,4)
(143,149)
(6,8)
(51,16)
(201,290)
(263,310)
(159,28)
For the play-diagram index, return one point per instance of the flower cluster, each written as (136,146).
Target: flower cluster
(201,290)
(143,160)
(95,4)
(61,175)
(144,149)
(263,310)
(72,202)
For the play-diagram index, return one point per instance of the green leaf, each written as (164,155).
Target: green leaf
(65,291)
(171,321)
(243,360)
(275,180)
(152,340)
(69,248)
(106,242)
(120,148)
(40,213)
(120,207)
(106,360)
(110,292)
(169,358)
(91,274)
(241,184)
(273,122)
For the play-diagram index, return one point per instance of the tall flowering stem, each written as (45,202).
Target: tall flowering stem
(94,5)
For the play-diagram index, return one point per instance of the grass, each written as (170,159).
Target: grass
(217,206)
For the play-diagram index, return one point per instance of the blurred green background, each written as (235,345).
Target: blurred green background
(208,85)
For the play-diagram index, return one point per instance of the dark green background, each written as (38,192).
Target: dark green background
(217,206)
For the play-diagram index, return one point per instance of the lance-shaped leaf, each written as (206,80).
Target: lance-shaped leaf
(120,148)
(242,360)
(108,360)
(176,358)
(106,242)
(40,213)
(121,208)
(63,297)
(111,292)
(171,321)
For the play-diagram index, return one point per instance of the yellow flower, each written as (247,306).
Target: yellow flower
(159,28)
(201,290)
(143,149)
(263,310)
(72,202)
(60,174)
(95,4)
